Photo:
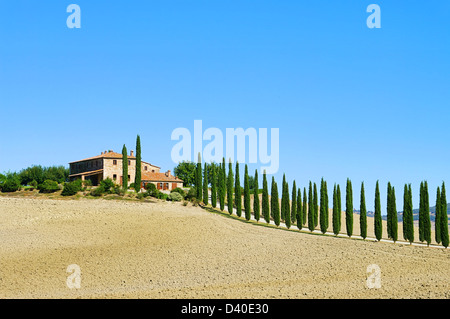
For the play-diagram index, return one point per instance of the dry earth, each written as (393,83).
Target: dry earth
(165,250)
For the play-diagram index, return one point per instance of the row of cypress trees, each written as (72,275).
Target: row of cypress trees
(304,210)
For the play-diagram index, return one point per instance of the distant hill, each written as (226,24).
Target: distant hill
(415,214)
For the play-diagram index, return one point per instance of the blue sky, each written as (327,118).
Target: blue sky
(368,104)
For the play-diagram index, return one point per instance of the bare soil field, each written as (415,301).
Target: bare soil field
(130,249)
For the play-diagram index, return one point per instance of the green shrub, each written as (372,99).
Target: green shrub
(99,191)
(162,196)
(71,188)
(33,184)
(118,190)
(107,185)
(179,191)
(140,195)
(10,185)
(192,193)
(131,186)
(175,196)
(87,182)
(48,186)
(150,186)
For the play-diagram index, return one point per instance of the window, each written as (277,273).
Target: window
(114,176)
(114,162)
(145,168)
(153,170)
(128,177)
(129,162)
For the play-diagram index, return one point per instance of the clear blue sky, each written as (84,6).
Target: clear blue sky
(349,101)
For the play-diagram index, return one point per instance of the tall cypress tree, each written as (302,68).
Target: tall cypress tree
(363,213)
(408,226)
(256,203)
(205,185)
(394,217)
(410,216)
(248,213)
(421,213)
(294,204)
(336,213)
(223,185)
(198,177)
(287,209)
(275,205)
(339,205)
(444,218)
(389,210)
(283,199)
(349,208)
(218,172)
(310,208)
(378,223)
(299,209)
(213,186)
(137,180)
(265,199)
(304,207)
(323,207)
(124,167)
(230,181)
(316,206)
(237,192)
(427,226)
(437,220)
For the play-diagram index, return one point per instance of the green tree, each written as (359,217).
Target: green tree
(310,208)
(237,192)
(444,218)
(265,199)
(316,206)
(389,210)
(410,215)
(336,214)
(437,221)
(339,205)
(323,207)
(223,186)
(287,209)
(205,185)
(199,177)
(394,217)
(275,205)
(213,186)
(363,213)
(283,198)
(256,204)
(427,222)
(304,207)
(230,181)
(299,209)
(248,213)
(421,212)
(378,224)
(124,167)
(408,226)
(349,208)
(137,180)
(186,171)
(294,204)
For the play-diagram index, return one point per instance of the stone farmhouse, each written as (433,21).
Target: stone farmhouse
(109,164)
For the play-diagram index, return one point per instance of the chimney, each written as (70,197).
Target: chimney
(168,173)
(131,153)
(101,153)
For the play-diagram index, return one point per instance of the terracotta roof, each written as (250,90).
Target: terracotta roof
(159,177)
(105,155)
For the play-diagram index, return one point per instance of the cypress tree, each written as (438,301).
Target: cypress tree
(363,213)
(283,199)
(421,213)
(265,199)
(394,218)
(205,185)
(310,208)
(198,177)
(294,204)
(230,181)
(316,206)
(137,180)
(275,205)
(336,213)
(444,218)
(304,207)
(408,226)
(299,209)
(323,207)
(437,220)
(349,208)
(287,209)
(410,216)
(213,186)
(339,205)
(218,171)
(256,204)
(427,225)
(223,185)
(378,224)
(124,167)
(389,210)
(248,213)
(237,192)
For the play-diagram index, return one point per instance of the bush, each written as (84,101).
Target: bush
(118,190)
(48,186)
(162,196)
(140,196)
(150,186)
(175,196)
(185,203)
(131,186)
(10,185)
(33,183)
(179,191)
(192,193)
(71,188)
(107,185)
(99,191)
(87,182)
